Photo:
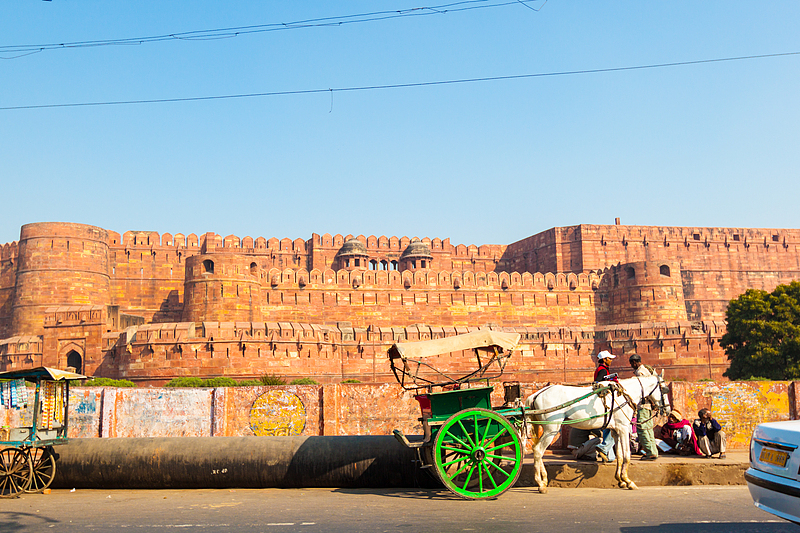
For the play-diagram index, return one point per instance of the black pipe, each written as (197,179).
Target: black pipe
(238,462)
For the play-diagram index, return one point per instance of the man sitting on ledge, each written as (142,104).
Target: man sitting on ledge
(710,437)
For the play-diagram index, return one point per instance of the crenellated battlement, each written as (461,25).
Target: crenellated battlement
(660,291)
(9,251)
(429,280)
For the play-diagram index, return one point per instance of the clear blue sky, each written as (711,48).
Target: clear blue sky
(714,144)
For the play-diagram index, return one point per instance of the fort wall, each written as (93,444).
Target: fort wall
(72,290)
(717,264)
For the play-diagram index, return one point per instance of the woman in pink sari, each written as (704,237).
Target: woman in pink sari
(678,434)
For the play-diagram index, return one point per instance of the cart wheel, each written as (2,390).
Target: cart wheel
(43,462)
(15,472)
(478,454)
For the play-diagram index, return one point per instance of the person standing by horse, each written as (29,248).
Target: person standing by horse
(602,374)
(603,370)
(644,413)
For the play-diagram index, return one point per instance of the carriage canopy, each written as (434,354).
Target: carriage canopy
(482,339)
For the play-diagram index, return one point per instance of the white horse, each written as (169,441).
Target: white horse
(619,409)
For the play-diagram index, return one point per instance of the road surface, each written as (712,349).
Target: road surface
(697,509)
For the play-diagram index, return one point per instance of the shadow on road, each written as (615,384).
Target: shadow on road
(14,521)
(415,494)
(719,527)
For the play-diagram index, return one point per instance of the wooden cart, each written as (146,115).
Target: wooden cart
(27,457)
(475,449)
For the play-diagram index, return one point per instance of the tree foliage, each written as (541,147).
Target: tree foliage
(763,337)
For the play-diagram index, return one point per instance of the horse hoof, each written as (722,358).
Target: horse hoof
(542,490)
(622,485)
(632,486)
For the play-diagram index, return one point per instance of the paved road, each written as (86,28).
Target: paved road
(648,510)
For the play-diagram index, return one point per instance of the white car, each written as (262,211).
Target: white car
(774,474)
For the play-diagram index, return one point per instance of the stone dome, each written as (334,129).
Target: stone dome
(352,247)
(417,248)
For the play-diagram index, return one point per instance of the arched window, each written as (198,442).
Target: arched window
(384,265)
(394,265)
(253,269)
(630,272)
(664,269)
(373,265)
(208,266)
(74,360)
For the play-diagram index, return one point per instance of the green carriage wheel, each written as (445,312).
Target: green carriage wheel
(477,454)
(43,463)
(15,472)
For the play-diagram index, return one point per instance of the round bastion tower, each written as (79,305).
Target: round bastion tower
(646,291)
(222,288)
(60,264)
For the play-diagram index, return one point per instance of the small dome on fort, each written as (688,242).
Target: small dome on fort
(352,247)
(417,248)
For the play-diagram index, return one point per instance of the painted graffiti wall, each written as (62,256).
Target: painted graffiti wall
(268,411)
(738,406)
(353,409)
(156,412)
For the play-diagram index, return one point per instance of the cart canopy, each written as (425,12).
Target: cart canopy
(42,372)
(482,339)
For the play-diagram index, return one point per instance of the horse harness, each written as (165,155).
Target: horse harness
(612,389)
(657,410)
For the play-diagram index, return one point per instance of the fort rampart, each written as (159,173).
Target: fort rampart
(151,306)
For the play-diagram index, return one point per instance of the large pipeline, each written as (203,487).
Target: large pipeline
(238,462)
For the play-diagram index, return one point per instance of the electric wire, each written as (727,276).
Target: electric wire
(403,85)
(224,33)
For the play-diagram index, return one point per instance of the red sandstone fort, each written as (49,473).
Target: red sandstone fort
(150,307)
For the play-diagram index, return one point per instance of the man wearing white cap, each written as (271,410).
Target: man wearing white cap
(603,361)
(605,450)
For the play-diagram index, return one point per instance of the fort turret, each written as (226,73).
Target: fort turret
(645,291)
(60,264)
(353,255)
(417,255)
(222,288)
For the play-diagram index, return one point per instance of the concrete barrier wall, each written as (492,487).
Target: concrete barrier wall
(352,409)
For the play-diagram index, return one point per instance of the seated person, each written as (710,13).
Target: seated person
(585,444)
(677,436)
(710,437)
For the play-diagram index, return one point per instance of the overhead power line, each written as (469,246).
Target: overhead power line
(226,33)
(403,85)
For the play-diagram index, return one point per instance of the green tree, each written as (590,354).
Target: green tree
(763,337)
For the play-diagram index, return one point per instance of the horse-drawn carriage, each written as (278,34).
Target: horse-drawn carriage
(27,458)
(477,450)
